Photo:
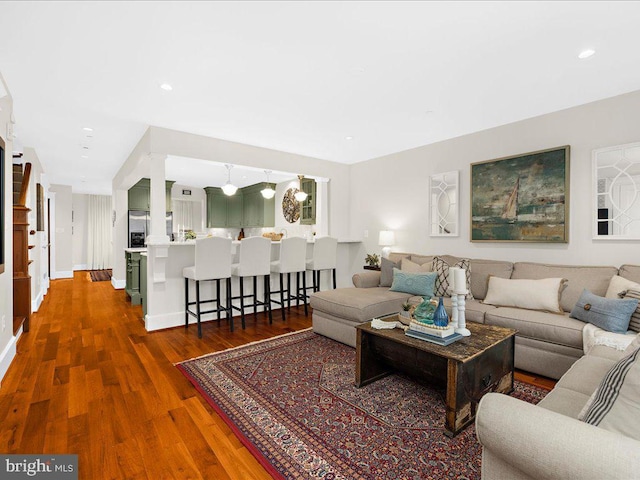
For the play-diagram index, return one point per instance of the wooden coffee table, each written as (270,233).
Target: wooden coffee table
(468,368)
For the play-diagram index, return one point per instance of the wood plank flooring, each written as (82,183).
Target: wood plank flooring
(88,379)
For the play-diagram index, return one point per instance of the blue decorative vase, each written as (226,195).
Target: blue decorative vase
(440,317)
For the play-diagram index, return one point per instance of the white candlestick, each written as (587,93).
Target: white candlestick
(454,311)
(460,283)
(452,281)
(462,324)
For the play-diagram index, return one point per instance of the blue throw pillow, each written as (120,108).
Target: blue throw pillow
(609,314)
(422,284)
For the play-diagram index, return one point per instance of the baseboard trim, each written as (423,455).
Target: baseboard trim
(118,284)
(35,303)
(7,355)
(82,266)
(63,274)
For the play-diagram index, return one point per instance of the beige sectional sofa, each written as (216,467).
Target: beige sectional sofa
(526,442)
(546,344)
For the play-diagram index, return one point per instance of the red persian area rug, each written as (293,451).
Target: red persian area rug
(292,401)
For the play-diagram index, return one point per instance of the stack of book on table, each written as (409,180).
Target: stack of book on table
(430,333)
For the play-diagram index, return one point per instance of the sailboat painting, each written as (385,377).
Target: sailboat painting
(524,198)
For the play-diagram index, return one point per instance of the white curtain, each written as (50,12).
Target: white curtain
(99,232)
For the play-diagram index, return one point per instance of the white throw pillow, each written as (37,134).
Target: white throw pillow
(619,284)
(543,294)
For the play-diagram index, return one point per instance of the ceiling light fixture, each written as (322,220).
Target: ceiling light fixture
(88,129)
(166,87)
(348,138)
(268,191)
(229,188)
(84,156)
(586,54)
(300,195)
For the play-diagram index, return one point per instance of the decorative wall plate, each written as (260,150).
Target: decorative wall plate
(291,206)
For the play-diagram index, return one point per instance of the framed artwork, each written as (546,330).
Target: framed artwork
(523,198)
(2,219)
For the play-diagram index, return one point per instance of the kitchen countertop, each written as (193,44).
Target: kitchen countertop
(135,250)
(237,242)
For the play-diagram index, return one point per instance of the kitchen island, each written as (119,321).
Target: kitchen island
(165,283)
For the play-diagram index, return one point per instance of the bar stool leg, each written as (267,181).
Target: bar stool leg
(289,291)
(317,274)
(334,279)
(218,299)
(198,308)
(297,289)
(242,301)
(255,297)
(282,295)
(186,303)
(314,282)
(228,305)
(267,296)
(304,293)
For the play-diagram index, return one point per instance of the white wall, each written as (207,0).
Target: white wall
(62,236)
(7,340)
(79,229)
(391,192)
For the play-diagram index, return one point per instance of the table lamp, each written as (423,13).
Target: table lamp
(385,240)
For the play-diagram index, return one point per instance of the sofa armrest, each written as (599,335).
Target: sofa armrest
(549,445)
(368,279)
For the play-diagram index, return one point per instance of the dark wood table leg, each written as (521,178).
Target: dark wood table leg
(369,367)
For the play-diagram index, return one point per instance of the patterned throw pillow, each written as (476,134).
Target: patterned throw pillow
(413,283)
(614,405)
(441,267)
(634,323)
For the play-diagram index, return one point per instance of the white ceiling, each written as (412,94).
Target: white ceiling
(299,76)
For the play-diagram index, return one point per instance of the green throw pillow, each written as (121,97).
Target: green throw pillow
(609,314)
(422,284)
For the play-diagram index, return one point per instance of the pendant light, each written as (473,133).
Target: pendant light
(268,192)
(300,195)
(229,188)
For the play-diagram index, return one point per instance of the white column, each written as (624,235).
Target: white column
(322,207)
(120,200)
(158,201)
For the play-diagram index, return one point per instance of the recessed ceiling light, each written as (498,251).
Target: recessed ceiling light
(348,138)
(586,54)
(166,87)
(85,156)
(88,129)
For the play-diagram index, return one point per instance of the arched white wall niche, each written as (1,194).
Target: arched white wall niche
(616,187)
(444,199)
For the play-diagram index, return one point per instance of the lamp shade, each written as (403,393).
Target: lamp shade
(229,189)
(268,192)
(386,238)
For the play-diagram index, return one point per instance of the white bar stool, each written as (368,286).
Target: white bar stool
(212,263)
(254,261)
(324,258)
(293,258)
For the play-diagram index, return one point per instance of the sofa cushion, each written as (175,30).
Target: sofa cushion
(594,279)
(585,375)
(422,284)
(480,272)
(618,285)
(543,294)
(614,405)
(422,259)
(358,304)
(386,271)
(630,272)
(565,401)
(610,314)
(473,311)
(547,327)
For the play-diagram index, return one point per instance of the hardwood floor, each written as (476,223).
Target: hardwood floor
(88,379)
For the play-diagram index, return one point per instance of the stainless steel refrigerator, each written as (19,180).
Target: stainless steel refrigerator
(140,227)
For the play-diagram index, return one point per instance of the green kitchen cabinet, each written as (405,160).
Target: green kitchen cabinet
(132,286)
(234,210)
(140,195)
(216,207)
(308,207)
(257,210)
